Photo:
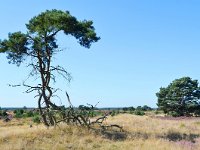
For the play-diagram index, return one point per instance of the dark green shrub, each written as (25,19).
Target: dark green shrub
(131,110)
(174,114)
(1,113)
(139,112)
(197,112)
(113,113)
(146,108)
(4,113)
(158,112)
(21,111)
(18,115)
(96,113)
(125,109)
(36,119)
(30,114)
(15,111)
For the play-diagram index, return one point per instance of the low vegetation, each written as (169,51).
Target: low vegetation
(142,132)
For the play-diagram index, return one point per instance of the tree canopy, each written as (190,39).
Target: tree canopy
(39,44)
(181,97)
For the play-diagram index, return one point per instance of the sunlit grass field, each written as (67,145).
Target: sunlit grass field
(141,133)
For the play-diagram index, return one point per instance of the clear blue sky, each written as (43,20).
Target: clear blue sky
(145,44)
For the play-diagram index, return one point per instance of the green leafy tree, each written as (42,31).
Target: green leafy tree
(131,109)
(146,108)
(39,45)
(125,109)
(139,108)
(181,97)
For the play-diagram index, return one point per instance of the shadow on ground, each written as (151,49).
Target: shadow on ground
(175,136)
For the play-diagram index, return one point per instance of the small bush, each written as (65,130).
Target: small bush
(29,114)
(197,111)
(174,114)
(97,113)
(131,110)
(18,115)
(21,111)
(158,112)
(113,113)
(125,109)
(36,119)
(139,112)
(4,113)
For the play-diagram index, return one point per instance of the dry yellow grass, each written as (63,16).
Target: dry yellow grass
(143,133)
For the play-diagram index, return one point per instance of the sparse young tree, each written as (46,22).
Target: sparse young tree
(39,45)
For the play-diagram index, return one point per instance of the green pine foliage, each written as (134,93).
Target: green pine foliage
(180,98)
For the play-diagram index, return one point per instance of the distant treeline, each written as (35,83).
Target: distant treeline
(144,108)
(16,108)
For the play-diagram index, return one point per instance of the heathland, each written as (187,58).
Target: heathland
(148,132)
